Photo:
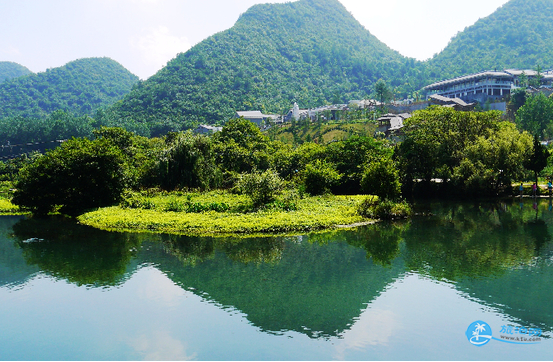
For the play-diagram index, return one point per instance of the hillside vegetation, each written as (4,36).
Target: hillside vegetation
(518,35)
(79,87)
(310,51)
(314,52)
(9,70)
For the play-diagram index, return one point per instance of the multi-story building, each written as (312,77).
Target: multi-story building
(490,85)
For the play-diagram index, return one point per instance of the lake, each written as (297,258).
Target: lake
(410,290)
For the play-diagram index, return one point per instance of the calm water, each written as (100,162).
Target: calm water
(405,291)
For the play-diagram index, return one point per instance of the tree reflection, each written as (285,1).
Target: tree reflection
(192,251)
(474,240)
(78,254)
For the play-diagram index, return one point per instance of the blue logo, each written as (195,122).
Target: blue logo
(479,333)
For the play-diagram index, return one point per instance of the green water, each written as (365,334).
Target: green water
(403,291)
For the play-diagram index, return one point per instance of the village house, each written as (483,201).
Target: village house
(257,117)
(206,129)
(456,103)
(392,123)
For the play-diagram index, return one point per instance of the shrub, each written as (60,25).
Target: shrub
(381,178)
(77,176)
(374,208)
(261,187)
(320,177)
(132,200)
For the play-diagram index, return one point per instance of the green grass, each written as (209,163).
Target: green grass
(313,213)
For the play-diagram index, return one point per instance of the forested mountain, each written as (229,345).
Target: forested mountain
(9,70)
(309,51)
(517,35)
(79,87)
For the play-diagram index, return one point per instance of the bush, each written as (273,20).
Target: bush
(132,200)
(381,178)
(77,176)
(261,187)
(320,177)
(374,208)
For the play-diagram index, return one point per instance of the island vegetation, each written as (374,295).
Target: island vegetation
(238,180)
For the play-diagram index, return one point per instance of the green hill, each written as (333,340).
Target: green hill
(79,87)
(312,52)
(309,51)
(518,35)
(9,70)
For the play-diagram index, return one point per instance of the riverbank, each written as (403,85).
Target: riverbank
(219,213)
(7,208)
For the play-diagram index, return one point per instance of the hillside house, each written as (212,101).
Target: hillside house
(206,129)
(456,103)
(257,117)
(392,123)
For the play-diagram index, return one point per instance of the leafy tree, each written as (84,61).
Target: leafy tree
(535,116)
(261,187)
(435,140)
(381,178)
(493,160)
(319,177)
(349,156)
(516,100)
(537,159)
(382,91)
(77,176)
(475,152)
(189,161)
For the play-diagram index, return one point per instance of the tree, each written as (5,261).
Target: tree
(189,161)
(383,92)
(79,175)
(535,116)
(381,178)
(492,160)
(261,187)
(319,177)
(537,160)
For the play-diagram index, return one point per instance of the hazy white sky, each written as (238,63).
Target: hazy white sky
(143,35)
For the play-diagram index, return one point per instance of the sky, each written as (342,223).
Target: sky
(143,35)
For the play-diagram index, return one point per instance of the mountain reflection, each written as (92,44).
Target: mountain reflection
(496,253)
(78,254)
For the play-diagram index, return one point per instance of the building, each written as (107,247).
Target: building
(456,103)
(391,123)
(257,117)
(484,86)
(205,129)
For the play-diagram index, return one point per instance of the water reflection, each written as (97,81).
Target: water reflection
(498,254)
(474,240)
(80,255)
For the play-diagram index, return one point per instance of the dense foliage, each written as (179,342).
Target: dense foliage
(274,55)
(79,87)
(536,116)
(469,152)
(516,36)
(79,175)
(9,70)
